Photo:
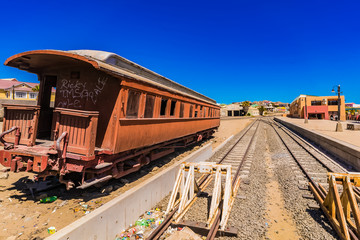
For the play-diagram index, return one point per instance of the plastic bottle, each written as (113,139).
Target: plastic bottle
(48,199)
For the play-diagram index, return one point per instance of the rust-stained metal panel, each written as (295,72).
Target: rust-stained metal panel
(23,117)
(81,127)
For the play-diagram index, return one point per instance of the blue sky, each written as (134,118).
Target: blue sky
(228,50)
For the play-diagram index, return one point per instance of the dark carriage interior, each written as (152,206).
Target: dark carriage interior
(46,110)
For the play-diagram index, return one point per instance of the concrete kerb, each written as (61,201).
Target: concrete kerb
(117,214)
(348,153)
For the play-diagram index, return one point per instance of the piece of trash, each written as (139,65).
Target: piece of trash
(51,230)
(87,212)
(54,210)
(63,203)
(10,199)
(48,199)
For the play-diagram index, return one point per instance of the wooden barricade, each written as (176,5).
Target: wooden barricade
(341,209)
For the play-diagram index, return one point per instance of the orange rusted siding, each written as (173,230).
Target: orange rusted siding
(24,117)
(81,128)
(139,132)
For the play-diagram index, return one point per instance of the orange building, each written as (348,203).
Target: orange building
(317,107)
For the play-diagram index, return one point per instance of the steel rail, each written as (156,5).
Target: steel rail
(319,160)
(313,183)
(167,221)
(215,226)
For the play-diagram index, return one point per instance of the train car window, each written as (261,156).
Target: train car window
(172,108)
(132,104)
(149,106)
(181,110)
(191,111)
(209,112)
(196,113)
(163,107)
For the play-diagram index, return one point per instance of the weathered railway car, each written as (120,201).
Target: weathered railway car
(110,117)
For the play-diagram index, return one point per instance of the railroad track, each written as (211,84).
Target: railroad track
(236,156)
(315,165)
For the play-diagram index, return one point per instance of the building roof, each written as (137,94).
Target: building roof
(9,83)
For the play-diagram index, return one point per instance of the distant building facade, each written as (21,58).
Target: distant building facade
(317,107)
(12,89)
(232,110)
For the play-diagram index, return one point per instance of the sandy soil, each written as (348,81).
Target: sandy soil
(229,127)
(24,217)
(281,224)
(328,127)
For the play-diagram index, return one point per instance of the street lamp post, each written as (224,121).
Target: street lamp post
(338,125)
(306,113)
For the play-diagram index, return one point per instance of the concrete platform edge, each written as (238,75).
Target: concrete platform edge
(348,153)
(108,220)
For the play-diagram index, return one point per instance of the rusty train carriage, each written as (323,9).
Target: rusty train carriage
(110,117)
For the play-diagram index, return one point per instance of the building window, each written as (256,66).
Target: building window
(191,111)
(33,95)
(172,108)
(20,94)
(132,104)
(181,110)
(149,106)
(163,107)
(332,102)
(315,103)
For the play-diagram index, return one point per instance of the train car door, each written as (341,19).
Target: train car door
(46,110)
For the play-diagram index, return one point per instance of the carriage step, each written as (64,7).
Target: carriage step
(103,165)
(93,181)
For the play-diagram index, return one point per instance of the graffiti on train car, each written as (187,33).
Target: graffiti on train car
(74,91)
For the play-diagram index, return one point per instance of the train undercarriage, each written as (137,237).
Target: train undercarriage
(49,158)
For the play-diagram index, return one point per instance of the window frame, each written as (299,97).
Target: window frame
(138,94)
(25,93)
(162,100)
(35,93)
(173,107)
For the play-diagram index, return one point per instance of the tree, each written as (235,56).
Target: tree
(261,110)
(245,106)
(36,88)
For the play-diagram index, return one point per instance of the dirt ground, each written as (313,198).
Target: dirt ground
(24,217)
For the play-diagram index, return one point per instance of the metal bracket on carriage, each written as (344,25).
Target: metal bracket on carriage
(8,146)
(62,152)
(62,158)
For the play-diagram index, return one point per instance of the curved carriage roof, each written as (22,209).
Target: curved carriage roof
(105,61)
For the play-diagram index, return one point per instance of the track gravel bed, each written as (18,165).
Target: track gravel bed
(311,224)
